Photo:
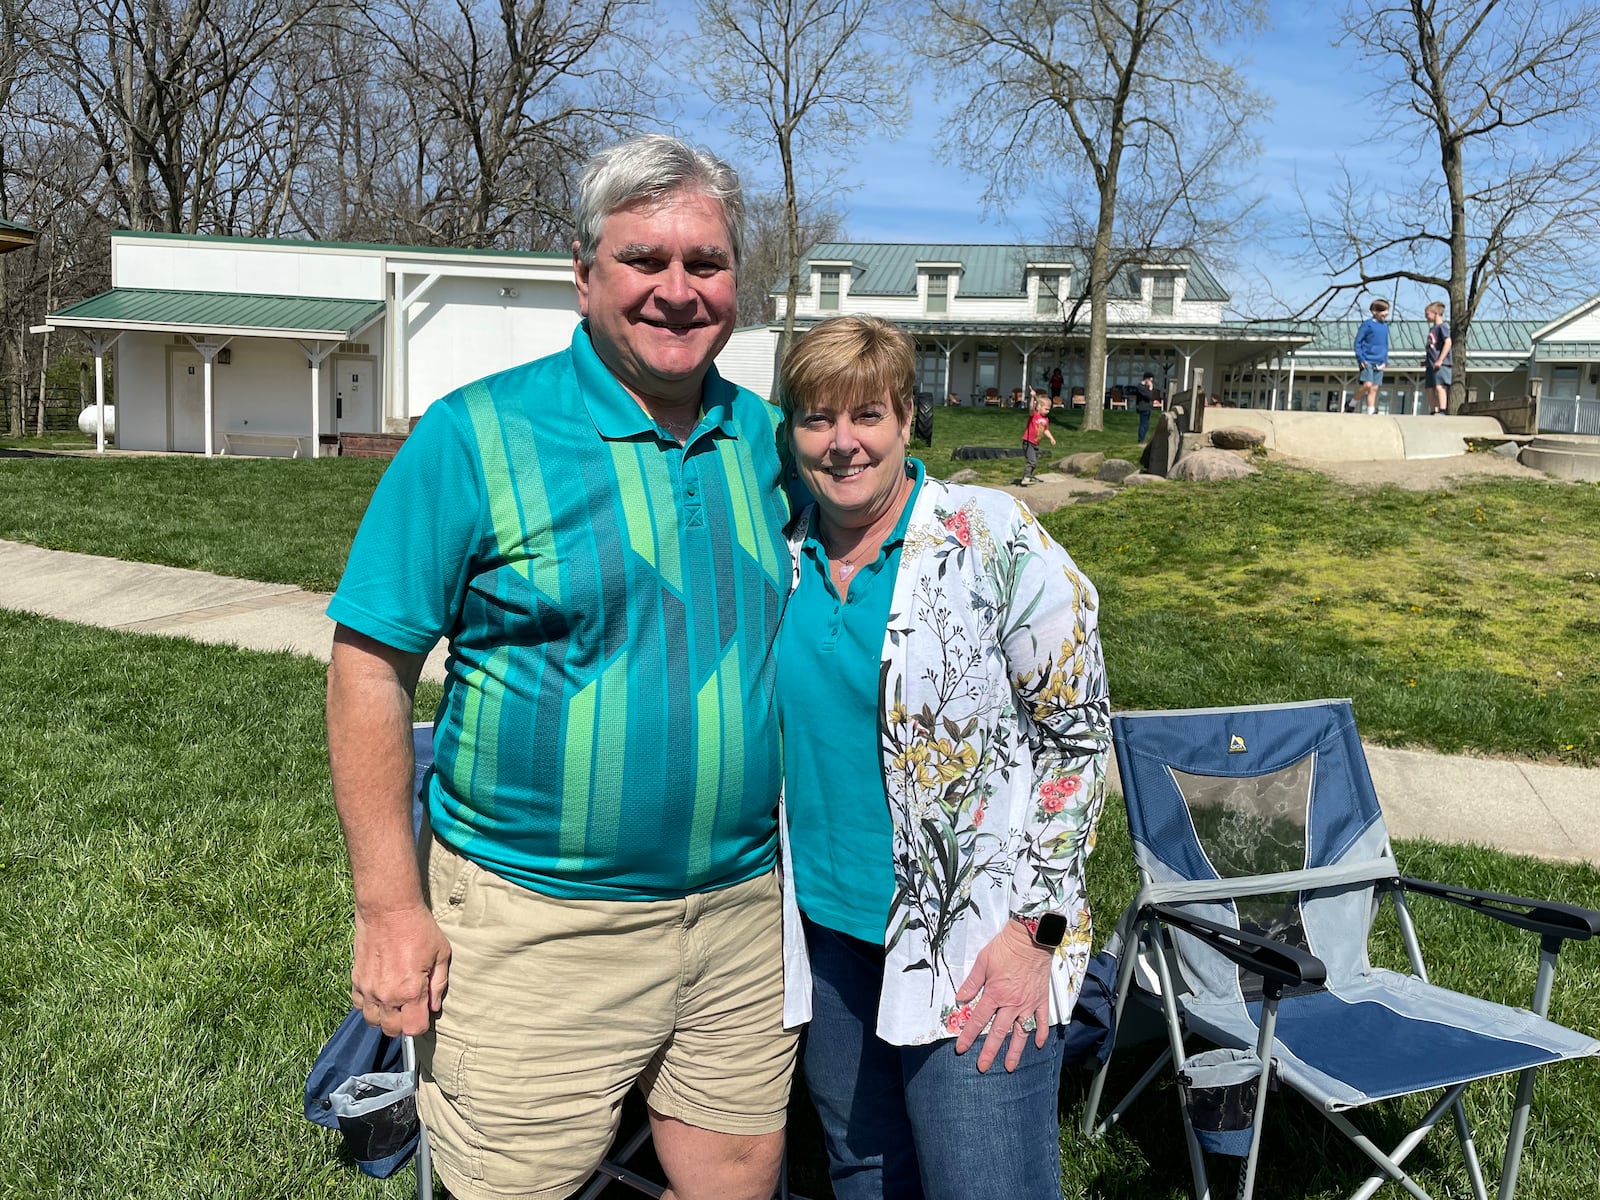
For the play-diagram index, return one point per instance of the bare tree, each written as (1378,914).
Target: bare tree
(172,92)
(1130,97)
(503,101)
(767,246)
(1501,92)
(802,76)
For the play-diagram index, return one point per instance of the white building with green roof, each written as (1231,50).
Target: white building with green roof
(1006,316)
(263,346)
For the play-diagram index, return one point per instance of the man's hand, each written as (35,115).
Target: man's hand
(1011,981)
(401,968)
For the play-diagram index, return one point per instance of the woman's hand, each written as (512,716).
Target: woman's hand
(1011,982)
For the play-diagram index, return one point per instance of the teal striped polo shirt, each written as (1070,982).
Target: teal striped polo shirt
(611,601)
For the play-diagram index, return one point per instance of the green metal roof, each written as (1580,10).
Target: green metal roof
(1568,351)
(1493,343)
(987,271)
(220,312)
(562,256)
(14,236)
(1117,332)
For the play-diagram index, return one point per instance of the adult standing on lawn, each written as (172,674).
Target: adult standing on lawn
(1144,400)
(945,731)
(599,536)
(1372,355)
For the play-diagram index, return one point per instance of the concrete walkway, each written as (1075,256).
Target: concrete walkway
(1526,808)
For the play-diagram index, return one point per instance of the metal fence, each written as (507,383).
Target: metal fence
(61,408)
(1561,415)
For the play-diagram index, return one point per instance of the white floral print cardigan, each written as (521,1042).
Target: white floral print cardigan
(995,729)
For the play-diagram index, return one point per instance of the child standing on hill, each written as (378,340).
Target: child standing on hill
(1372,355)
(1438,362)
(1038,422)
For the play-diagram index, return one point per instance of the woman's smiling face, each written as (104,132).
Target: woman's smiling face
(853,460)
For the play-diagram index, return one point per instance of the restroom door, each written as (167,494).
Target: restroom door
(353,393)
(186,401)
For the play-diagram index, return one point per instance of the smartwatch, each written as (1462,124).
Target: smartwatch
(1047,930)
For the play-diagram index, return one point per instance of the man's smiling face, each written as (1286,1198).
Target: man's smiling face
(661,294)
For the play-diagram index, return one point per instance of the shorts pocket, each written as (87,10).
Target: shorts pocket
(450,876)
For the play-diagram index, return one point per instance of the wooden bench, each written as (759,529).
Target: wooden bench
(250,442)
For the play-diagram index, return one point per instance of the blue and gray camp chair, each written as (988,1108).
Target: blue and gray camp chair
(1262,859)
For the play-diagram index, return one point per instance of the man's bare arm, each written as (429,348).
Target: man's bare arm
(401,961)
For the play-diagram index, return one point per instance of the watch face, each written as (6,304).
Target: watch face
(1052,930)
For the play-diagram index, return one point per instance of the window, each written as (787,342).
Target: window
(987,374)
(1049,302)
(1162,292)
(828,292)
(939,293)
(930,371)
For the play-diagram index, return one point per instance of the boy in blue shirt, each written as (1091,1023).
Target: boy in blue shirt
(1372,355)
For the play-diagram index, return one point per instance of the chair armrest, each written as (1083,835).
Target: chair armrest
(1276,963)
(1547,918)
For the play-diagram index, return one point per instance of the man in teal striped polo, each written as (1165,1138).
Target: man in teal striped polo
(598,535)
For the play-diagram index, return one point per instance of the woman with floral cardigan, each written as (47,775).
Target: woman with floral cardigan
(946,727)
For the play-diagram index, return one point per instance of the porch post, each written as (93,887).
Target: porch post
(208,355)
(99,343)
(1288,400)
(315,357)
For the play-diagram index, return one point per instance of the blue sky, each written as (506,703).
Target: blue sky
(1324,107)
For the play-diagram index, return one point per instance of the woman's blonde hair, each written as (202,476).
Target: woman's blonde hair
(844,360)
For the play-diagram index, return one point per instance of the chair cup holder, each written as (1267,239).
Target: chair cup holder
(1219,1092)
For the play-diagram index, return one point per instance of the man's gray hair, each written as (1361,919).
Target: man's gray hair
(648,168)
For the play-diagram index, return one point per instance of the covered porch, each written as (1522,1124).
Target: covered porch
(212,326)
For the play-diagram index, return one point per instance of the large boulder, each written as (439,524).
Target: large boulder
(1084,463)
(1115,470)
(1237,437)
(1139,477)
(1205,465)
(968,475)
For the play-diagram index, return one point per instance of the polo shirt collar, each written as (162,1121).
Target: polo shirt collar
(618,416)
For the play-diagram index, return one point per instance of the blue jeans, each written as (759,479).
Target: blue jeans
(1144,423)
(921,1122)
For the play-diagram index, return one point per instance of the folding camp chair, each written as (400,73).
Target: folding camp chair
(1262,859)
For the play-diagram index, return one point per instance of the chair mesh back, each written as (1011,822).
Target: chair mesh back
(1233,793)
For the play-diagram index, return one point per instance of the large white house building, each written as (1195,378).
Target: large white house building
(267,346)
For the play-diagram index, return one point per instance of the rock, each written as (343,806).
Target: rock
(1084,463)
(1213,464)
(1162,451)
(1139,477)
(1115,470)
(1237,437)
(964,476)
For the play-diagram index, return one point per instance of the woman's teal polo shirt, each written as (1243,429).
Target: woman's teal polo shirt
(829,652)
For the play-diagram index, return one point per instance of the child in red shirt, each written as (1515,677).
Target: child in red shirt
(1038,422)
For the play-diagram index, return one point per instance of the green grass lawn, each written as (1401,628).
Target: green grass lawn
(176,930)
(1462,619)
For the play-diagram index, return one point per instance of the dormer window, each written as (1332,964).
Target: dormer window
(938,292)
(1052,287)
(828,290)
(1163,293)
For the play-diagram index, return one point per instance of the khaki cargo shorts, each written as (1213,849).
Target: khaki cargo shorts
(556,1008)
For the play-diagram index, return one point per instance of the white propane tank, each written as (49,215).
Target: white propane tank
(86,420)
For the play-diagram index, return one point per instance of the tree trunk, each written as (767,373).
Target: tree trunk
(791,217)
(1094,389)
